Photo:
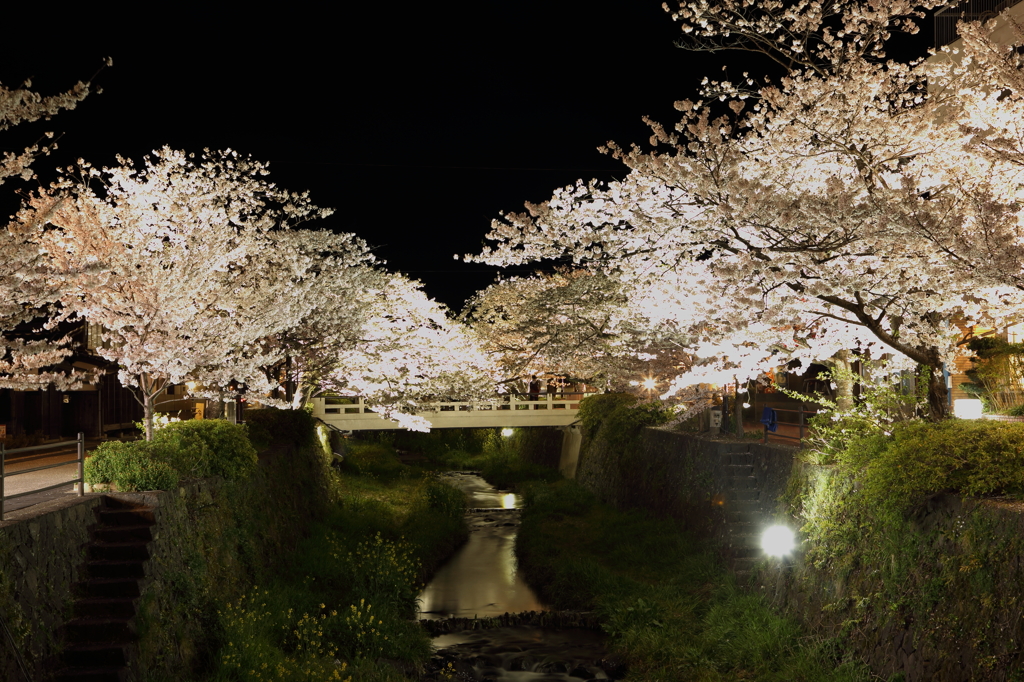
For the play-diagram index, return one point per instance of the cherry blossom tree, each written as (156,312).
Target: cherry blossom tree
(27,355)
(568,322)
(180,261)
(845,206)
(408,351)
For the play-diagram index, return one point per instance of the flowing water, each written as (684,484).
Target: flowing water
(482,580)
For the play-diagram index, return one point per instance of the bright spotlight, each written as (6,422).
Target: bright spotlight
(650,384)
(507,432)
(778,541)
(967,408)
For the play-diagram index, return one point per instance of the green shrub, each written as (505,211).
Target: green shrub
(372,459)
(268,425)
(968,457)
(138,465)
(562,497)
(618,418)
(445,498)
(209,447)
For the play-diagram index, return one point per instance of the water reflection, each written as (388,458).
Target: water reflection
(481,579)
(482,494)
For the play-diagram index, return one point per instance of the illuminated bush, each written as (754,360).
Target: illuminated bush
(209,447)
(973,458)
(137,465)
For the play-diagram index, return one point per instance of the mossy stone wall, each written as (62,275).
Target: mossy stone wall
(680,475)
(42,553)
(948,606)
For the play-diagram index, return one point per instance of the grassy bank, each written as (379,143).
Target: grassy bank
(505,461)
(340,609)
(671,610)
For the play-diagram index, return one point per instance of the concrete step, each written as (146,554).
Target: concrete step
(736,516)
(737,458)
(92,674)
(742,483)
(94,655)
(739,469)
(751,506)
(742,495)
(115,569)
(110,588)
(118,551)
(744,552)
(127,517)
(84,630)
(104,607)
(124,533)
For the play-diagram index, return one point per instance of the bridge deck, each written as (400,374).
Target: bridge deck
(351,414)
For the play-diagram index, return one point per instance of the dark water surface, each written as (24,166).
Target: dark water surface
(482,580)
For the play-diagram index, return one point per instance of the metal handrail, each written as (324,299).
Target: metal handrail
(800,423)
(80,480)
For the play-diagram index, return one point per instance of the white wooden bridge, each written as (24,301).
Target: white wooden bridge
(351,414)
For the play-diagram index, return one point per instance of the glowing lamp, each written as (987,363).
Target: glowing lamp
(967,408)
(507,432)
(649,384)
(778,541)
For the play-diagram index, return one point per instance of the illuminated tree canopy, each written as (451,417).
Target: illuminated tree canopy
(26,359)
(855,203)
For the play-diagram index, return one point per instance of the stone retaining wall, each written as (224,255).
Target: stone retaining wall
(42,552)
(681,475)
(212,540)
(969,627)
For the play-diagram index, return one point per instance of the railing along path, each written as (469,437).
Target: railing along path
(4,453)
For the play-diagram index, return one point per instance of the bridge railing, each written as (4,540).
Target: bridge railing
(510,401)
(339,409)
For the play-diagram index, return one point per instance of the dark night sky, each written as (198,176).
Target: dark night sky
(417,122)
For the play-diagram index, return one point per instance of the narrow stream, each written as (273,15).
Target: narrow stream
(482,580)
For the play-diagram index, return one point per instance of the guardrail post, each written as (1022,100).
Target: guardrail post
(81,464)
(3,458)
(801,422)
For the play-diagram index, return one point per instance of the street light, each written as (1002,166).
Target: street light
(778,541)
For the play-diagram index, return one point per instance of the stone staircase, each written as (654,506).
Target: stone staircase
(744,514)
(99,637)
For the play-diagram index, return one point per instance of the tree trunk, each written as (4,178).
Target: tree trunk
(217,406)
(289,387)
(148,401)
(843,376)
(738,409)
(938,394)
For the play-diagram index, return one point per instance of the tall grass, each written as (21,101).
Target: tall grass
(347,597)
(672,611)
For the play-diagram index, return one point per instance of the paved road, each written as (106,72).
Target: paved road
(40,479)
